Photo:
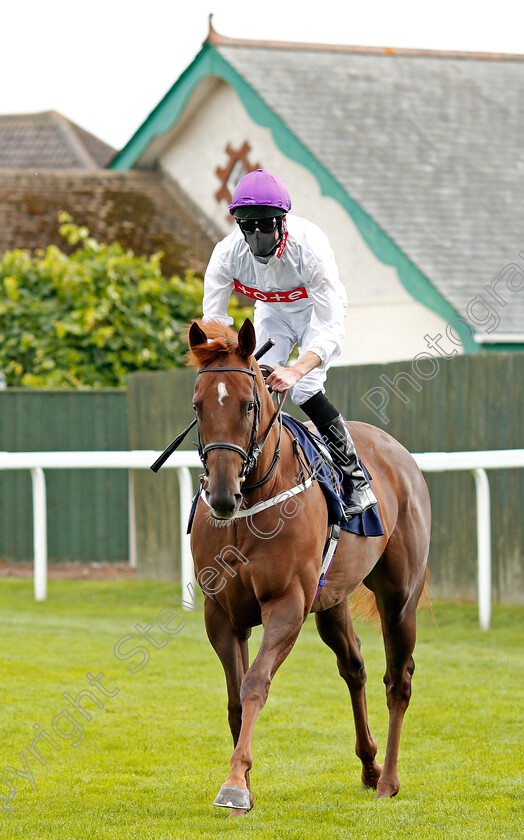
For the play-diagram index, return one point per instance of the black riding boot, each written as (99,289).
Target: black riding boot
(358,493)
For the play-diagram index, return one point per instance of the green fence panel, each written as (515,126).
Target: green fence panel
(159,406)
(469,402)
(87,509)
(472,402)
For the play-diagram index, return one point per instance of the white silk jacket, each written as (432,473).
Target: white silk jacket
(301,277)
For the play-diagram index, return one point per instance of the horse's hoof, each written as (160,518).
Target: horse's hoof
(237,812)
(370,777)
(387,791)
(371,786)
(230,796)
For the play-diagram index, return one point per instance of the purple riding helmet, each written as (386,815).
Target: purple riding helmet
(260,202)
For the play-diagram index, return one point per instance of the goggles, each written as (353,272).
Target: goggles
(263,225)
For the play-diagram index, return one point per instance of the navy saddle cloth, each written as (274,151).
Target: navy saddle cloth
(367,524)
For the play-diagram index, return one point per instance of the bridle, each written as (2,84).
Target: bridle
(254,450)
(250,455)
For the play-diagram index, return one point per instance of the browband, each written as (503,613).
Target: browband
(221,369)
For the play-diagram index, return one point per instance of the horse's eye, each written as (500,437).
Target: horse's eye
(249,407)
(195,407)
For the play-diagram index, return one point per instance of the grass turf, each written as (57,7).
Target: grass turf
(150,762)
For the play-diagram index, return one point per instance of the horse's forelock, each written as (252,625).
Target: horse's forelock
(220,339)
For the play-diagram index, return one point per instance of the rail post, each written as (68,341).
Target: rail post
(39,533)
(185,486)
(483,547)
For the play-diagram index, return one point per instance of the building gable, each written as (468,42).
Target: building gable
(421,149)
(142,150)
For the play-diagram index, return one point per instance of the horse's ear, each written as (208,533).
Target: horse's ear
(197,335)
(246,339)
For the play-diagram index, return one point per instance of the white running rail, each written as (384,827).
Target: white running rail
(475,462)
(37,462)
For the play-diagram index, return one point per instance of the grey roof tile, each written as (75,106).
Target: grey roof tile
(49,141)
(430,146)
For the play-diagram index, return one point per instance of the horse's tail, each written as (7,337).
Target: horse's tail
(364,605)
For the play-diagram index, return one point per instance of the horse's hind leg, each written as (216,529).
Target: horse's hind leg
(336,630)
(398,616)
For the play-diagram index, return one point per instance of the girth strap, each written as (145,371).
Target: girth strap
(327,560)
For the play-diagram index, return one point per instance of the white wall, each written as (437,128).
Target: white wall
(384,322)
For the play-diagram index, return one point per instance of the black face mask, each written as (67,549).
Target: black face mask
(264,244)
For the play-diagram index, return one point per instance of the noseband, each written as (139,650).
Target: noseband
(250,455)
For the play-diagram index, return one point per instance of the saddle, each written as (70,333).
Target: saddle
(318,460)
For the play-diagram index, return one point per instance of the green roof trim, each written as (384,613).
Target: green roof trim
(209,62)
(503,347)
(167,112)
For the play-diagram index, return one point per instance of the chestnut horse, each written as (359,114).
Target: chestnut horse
(263,568)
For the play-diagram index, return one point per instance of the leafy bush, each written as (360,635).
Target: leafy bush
(89,319)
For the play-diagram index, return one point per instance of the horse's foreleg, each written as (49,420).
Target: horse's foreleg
(282,621)
(336,630)
(233,654)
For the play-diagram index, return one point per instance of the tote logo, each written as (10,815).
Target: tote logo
(229,175)
(271,297)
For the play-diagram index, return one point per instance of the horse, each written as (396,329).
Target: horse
(255,570)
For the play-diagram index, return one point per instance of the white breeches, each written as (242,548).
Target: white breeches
(286,332)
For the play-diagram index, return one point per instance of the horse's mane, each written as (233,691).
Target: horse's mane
(220,339)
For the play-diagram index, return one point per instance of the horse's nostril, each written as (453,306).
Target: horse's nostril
(223,505)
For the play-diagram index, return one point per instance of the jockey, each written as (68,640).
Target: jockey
(287,266)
